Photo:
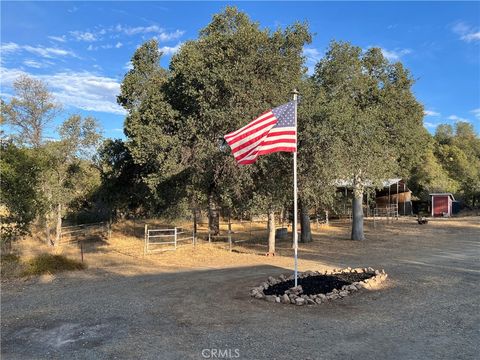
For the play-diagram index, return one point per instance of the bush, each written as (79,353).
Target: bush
(10,265)
(10,258)
(51,264)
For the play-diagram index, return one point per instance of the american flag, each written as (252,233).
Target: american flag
(272,131)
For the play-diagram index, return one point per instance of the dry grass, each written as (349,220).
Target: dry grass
(123,253)
(10,266)
(50,264)
(13,266)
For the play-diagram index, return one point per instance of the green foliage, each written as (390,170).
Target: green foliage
(122,189)
(317,167)
(374,121)
(67,172)
(19,198)
(459,155)
(444,134)
(233,72)
(43,178)
(451,164)
(151,124)
(51,264)
(373,126)
(430,177)
(30,110)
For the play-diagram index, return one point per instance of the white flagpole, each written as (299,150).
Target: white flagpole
(295,210)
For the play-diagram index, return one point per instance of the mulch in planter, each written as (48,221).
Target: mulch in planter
(318,284)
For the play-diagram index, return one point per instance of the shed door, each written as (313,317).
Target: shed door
(440,204)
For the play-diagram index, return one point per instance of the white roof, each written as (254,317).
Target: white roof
(443,194)
(368,183)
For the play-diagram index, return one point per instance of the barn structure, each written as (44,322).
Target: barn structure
(395,193)
(442,204)
(394,198)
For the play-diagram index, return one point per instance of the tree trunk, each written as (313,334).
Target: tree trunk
(47,231)
(305,230)
(59,225)
(271,233)
(357,216)
(194,222)
(213,216)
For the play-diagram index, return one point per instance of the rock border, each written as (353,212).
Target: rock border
(294,295)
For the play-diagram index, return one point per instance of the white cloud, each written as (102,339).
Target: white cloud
(10,47)
(170,50)
(471,37)
(86,91)
(431,113)
(165,36)
(118,45)
(83,90)
(395,55)
(128,65)
(9,76)
(46,52)
(312,56)
(429,125)
(84,36)
(161,34)
(476,113)
(58,38)
(113,32)
(457,118)
(467,33)
(36,64)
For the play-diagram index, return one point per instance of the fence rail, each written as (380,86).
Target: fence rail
(76,233)
(157,240)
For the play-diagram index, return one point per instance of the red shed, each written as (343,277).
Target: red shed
(442,204)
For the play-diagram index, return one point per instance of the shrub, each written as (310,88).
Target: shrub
(10,265)
(51,264)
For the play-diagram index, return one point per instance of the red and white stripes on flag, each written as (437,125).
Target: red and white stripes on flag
(272,131)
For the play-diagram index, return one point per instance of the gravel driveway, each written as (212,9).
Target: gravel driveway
(429,310)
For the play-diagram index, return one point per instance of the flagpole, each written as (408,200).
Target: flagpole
(295,210)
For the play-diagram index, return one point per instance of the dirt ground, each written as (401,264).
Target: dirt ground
(194,303)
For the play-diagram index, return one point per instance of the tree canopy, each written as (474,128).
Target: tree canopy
(233,72)
(30,110)
(374,123)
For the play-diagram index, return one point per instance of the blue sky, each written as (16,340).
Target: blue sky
(82,49)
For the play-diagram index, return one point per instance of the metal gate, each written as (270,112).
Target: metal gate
(157,240)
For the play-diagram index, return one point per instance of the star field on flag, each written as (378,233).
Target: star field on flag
(273,131)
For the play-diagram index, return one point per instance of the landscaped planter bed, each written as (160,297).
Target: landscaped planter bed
(315,287)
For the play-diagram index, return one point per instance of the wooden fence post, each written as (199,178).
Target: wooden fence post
(194,225)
